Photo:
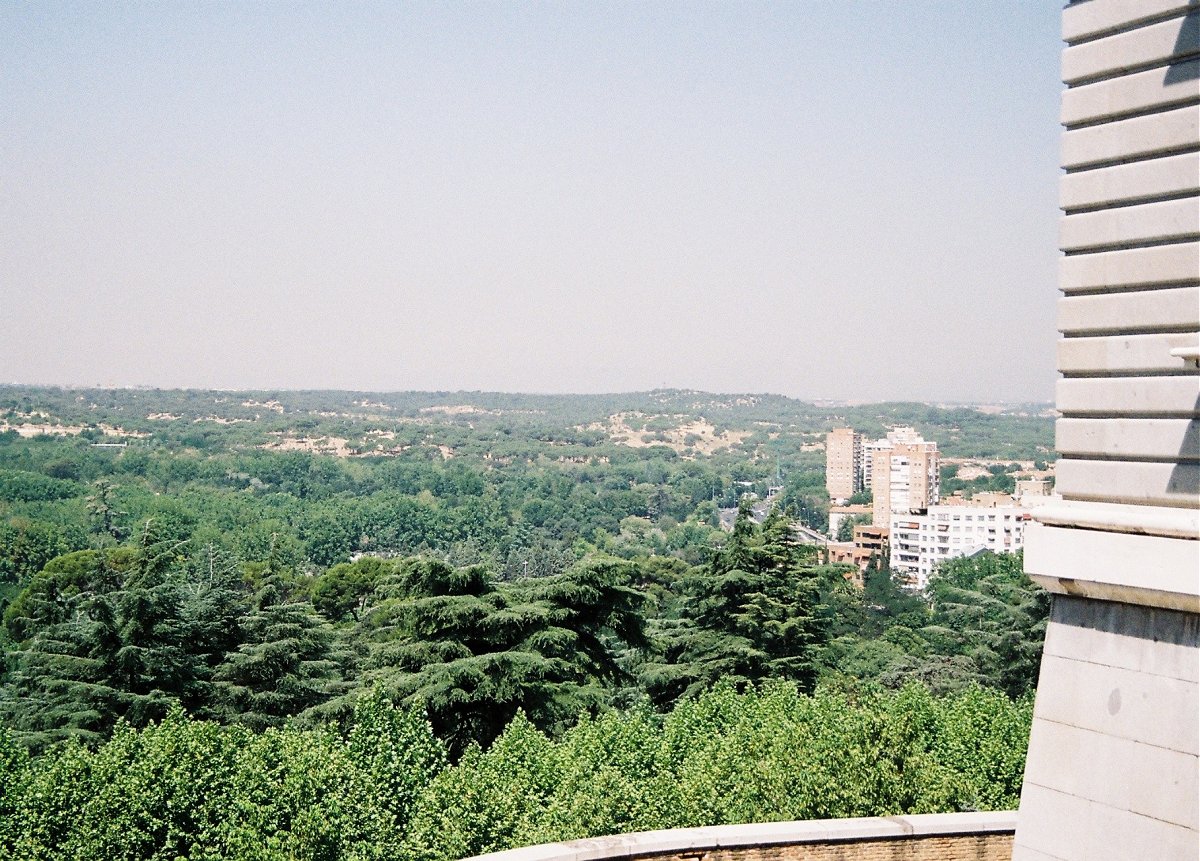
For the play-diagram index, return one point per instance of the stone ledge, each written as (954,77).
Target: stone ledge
(718,837)
(1113,566)
(1115,517)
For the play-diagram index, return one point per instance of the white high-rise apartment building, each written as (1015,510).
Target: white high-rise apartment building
(919,542)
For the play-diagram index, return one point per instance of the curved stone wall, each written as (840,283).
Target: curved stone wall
(929,837)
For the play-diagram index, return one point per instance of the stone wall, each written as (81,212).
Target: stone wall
(930,837)
(1113,753)
(1111,771)
(967,847)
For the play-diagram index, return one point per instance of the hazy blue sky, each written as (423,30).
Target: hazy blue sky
(820,199)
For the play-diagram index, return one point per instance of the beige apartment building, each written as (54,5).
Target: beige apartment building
(843,463)
(901,470)
(904,477)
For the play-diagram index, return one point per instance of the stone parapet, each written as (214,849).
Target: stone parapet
(927,837)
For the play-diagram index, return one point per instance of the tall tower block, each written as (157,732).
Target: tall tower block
(1113,754)
(843,463)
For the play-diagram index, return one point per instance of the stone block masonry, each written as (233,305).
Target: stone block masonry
(928,837)
(1114,752)
(972,847)
(1111,771)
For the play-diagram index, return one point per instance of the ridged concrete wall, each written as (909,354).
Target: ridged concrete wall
(1114,753)
(1131,236)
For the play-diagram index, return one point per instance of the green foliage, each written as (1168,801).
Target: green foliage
(102,653)
(752,614)
(985,609)
(183,788)
(344,591)
(861,497)
(523,584)
(476,651)
(999,479)
(26,546)
(284,665)
(980,621)
(727,757)
(519,478)
(21,486)
(846,526)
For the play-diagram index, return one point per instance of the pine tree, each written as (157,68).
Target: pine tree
(285,664)
(752,614)
(116,653)
(476,652)
(213,601)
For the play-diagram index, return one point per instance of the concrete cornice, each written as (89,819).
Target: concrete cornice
(689,840)
(1115,517)
(1132,567)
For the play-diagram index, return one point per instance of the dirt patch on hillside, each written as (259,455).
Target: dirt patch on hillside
(273,406)
(334,445)
(638,430)
(27,430)
(460,410)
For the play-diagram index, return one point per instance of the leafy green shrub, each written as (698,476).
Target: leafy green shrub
(728,757)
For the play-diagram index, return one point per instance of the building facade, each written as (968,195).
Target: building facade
(843,463)
(1114,751)
(919,543)
(904,475)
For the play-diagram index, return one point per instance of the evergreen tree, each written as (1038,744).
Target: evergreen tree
(284,665)
(116,653)
(985,609)
(213,601)
(754,613)
(476,652)
(888,601)
(102,507)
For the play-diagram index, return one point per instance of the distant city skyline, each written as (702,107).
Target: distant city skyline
(830,201)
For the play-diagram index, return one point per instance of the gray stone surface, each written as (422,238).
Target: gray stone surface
(1127,704)
(1159,221)
(1113,753)
(1089,20)
(1137,137)
(1139,482)
(1162,438)
(1122,354)
(1129,94)
(1128,396)
(1116,772)
(1134,268)
(1129,50)
(1145,639)
(1132,311)
(1176,174)
(1070,828)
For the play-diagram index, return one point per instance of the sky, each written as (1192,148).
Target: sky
(826,200)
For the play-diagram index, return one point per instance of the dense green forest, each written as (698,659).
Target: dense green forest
(384,786)
(438,602)
(524,483)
